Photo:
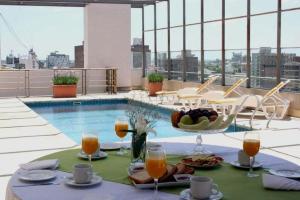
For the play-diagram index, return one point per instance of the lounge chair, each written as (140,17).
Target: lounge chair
(214,95)
(177,95)
(272,104)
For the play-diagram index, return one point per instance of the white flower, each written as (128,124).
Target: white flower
(142,126)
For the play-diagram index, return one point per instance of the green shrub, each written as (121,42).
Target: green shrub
(65,80)
(155,77)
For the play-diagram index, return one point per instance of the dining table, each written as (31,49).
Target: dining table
(232,181)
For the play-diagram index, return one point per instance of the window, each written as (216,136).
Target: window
(162,14)
(192,11)
(261,6)
(212,10)
(264,31)
(176,12)
(236,34)
(234,8)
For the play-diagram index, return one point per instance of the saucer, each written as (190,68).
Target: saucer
(186,195)
(37,175)
(110,146)
(95,180)
(238,165)
(97,156)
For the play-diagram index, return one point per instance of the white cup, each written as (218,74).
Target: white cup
(243,158)
(203,187)
(82,173)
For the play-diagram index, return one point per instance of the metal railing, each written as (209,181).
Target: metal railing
(38,82)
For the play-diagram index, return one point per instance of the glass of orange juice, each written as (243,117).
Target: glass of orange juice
(251,145)
(156,165)
(121,126)
(90,145)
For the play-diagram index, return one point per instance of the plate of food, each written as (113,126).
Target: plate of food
(201,121)
(176,175)
(203,161)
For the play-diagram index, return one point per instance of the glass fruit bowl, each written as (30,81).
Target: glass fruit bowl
(193,121)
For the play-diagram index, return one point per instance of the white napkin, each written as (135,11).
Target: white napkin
(280,183)
(42,164)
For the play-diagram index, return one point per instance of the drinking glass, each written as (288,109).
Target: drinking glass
(251,146)
(90,145)
(156,165)
(121,125)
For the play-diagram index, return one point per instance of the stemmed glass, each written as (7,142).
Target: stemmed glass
(251,146)
(121,126)
(156,165)
(90,145)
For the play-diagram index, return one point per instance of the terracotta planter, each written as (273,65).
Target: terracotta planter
(64,91)
(154,87)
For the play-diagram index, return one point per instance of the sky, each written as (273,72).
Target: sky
(48,29)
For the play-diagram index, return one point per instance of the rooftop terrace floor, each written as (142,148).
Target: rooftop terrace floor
(25,136)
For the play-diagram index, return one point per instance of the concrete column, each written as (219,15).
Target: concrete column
(107,39)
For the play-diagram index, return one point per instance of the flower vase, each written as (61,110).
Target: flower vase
(138,147)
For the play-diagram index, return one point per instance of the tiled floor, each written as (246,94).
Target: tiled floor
(25,136)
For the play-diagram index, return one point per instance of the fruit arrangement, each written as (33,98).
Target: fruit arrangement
(200,119)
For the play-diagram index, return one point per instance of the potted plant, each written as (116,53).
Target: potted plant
(65,86)
(155,83)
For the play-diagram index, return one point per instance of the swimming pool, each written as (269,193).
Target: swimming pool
(98,116)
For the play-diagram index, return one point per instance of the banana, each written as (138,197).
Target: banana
(199,126)
(215,124)
(200,119)
(228,121)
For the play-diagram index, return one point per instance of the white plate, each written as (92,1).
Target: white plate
(110,146)
(186,195)
(95,180)
(238,165)
(37,175)
(98,156)
(285,173)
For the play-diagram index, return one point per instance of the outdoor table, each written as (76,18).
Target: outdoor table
(233,182)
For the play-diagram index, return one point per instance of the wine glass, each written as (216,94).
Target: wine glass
(90,145)
(121,126)
(156,165)
(251,146)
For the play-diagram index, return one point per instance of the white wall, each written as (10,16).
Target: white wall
(107,39)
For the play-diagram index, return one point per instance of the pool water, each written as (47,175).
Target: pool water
(98,116)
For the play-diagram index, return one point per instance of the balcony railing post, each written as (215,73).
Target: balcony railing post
(155,36)
(202,65)
(184,42)
(82,83)
(143,42)
(248,65)
(278,57)
(85,82)
(169,43)
(223,43)
(28,83)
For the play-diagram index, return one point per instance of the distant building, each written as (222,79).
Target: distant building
(55,60)
(291,70)
(79,57)
(137,54)
(11,59)
(264,65)
(192,71)
(162,61)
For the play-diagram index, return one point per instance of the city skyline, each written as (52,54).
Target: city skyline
(48,32)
